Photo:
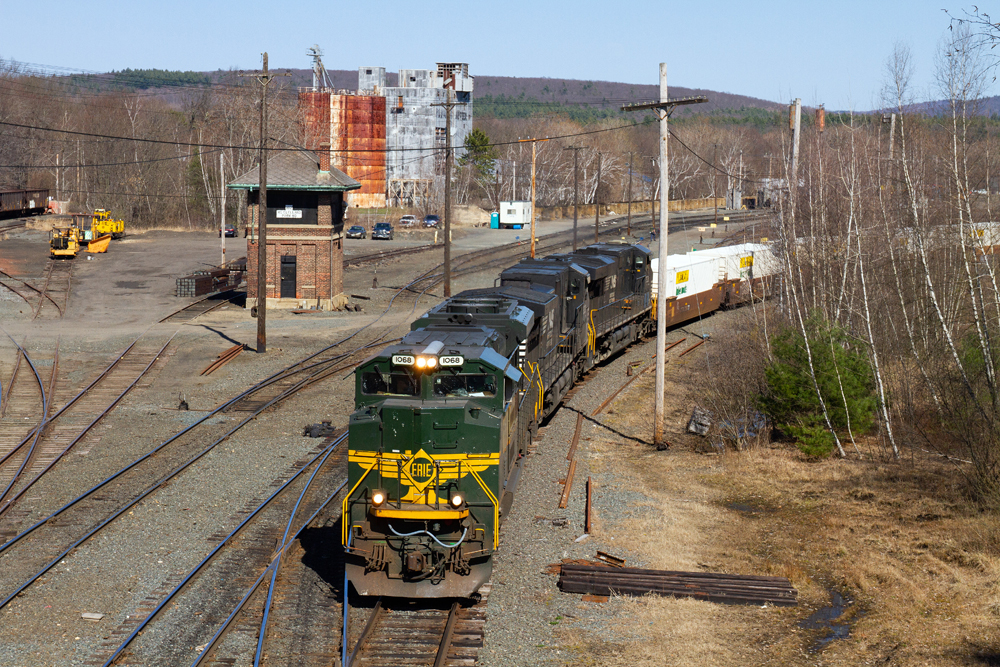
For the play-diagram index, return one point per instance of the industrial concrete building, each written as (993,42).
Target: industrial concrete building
(390,139)
(415,130)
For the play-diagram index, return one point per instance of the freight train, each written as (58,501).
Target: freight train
(443,418)
(17,203)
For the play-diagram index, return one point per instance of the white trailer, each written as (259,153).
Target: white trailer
(515,214)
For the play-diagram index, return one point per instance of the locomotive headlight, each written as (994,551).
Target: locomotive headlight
(421,362)
(432,362)
(378,497)
(457,499)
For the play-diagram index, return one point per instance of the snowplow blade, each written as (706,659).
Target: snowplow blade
(100,244)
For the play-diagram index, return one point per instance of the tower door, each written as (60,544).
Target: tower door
(288,276)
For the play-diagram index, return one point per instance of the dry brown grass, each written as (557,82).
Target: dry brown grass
(901,539)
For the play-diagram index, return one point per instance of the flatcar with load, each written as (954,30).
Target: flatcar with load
(443,418)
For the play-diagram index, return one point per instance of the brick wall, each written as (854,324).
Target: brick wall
(312,246)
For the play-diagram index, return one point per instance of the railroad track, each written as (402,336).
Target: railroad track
(424,632)
(359,260)
(19,223)
(56,290)
(199,307)
(222,584)
(24,402)
(26,291)
(35,550)
(25,462)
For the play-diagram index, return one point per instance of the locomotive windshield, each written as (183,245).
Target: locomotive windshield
(397,383)
(474,385)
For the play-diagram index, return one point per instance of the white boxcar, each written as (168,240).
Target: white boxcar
(686,275)
(737,261)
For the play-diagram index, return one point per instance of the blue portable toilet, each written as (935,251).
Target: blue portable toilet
(495,220)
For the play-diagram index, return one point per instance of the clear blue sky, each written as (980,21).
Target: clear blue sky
(832,53)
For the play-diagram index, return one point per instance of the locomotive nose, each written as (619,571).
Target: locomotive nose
(415,562)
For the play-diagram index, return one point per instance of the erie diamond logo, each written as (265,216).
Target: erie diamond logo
(420,470)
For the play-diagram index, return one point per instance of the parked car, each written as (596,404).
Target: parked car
(408,221)
(230,231)
(383,230)
(431,221)
(356,232)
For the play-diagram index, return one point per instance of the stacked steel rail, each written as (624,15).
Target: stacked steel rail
(709,586)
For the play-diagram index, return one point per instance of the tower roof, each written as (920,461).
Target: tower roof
(296,170)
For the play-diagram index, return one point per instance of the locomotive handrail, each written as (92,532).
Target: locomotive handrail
(346,521)
(496,507)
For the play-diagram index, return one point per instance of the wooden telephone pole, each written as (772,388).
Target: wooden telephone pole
(576,186)
(448,106)
(628,228)
(597,202)
(662,109)
(264,77)
(534,155)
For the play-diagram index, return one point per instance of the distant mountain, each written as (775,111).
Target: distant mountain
(497,95)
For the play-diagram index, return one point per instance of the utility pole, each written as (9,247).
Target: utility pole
(628,225)
(222,217)
(597,201)
(715,181)
(795,124)
(652,198)
(662,109)
(576,186)
(448,106)
(264,77)
(534,155)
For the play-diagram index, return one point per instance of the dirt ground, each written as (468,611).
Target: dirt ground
(892,564)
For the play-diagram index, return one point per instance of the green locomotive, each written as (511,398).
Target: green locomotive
(442,419)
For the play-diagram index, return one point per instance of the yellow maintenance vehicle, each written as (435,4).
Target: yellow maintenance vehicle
(103,224)
(64,242)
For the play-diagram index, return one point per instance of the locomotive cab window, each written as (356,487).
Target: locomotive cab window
(465,385)
(376,383)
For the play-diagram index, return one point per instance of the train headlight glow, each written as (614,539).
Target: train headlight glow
(457,499)
(426,362)
(378,497)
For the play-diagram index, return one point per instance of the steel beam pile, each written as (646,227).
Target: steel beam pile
(205,282)
(724,588)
